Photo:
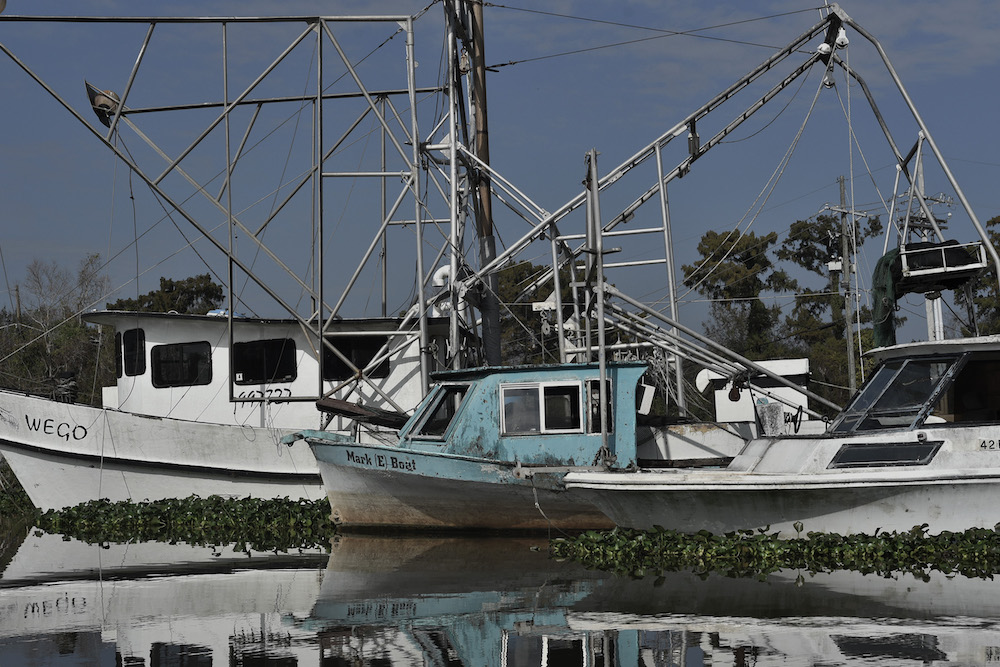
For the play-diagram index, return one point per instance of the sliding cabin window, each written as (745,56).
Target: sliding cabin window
(360,350)
(974,395)
(530,408)
(264,361)
(130,352)
(181,364)
(440,415)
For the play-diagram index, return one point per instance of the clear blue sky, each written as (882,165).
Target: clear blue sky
(63,198)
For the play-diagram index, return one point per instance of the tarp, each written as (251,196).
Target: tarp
(884,298)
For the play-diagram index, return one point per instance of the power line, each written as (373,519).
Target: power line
(664,32)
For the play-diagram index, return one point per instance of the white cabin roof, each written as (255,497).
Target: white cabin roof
(126,319)
(926,347)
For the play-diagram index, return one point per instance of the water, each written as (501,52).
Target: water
(462,601)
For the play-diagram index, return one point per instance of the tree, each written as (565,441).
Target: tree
(195,295)
(46,347)
(734,271)
(816,325)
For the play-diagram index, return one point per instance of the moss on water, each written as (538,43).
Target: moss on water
(973,553)
(250,524)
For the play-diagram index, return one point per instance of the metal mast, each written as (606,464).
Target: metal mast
(484,209)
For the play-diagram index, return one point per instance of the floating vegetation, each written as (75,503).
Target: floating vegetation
(974,553)
(249,524)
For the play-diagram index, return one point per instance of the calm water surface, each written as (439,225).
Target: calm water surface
(461,601)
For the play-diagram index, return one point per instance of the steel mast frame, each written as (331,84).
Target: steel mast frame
(831,25)
(400,134)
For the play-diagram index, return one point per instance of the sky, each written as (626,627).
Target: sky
(608,76)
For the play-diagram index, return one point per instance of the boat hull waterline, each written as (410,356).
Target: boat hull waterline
(380,487)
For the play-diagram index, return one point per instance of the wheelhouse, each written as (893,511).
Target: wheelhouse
(528,414)
(267,372)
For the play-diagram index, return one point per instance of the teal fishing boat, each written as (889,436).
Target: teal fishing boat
(487,449)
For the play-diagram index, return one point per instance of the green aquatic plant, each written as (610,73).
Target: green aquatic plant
(250,524)
(973,553)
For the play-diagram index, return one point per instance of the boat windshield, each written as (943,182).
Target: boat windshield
(895,394)
(439,414)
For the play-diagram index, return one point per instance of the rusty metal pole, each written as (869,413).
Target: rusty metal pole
(490,307)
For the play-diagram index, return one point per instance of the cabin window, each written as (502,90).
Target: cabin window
(360,350)
(895,395)
(881,454)
(540,408)
(181,364)
(264,361)
(130,352)
(443,411)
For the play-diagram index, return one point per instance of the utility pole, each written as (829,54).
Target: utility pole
(847,260)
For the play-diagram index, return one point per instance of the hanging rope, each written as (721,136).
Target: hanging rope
(762,198)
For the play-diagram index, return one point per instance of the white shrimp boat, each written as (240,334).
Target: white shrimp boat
(919,445)
(201,402)
(169,428)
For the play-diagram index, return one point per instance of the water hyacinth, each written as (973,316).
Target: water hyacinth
(973,553)
(255,524)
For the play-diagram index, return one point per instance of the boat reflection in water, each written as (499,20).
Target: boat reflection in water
(502,601)
(463,601)
(71,603)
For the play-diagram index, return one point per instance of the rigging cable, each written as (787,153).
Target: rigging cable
(769,187)
(10,293)
(765,192)
(664,33)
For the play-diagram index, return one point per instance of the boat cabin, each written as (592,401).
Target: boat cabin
(538,415)
(173,365)
(928,384)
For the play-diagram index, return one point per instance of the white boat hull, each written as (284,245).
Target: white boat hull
(67,454)
(793,506)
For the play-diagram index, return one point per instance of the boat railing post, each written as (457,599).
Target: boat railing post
(557,299)
(671,288)
(594,235)
(411,63)
(454,92)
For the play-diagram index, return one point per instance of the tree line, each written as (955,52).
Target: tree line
(46,347)
(738,272)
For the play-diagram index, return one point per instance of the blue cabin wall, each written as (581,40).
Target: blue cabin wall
(475,430)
